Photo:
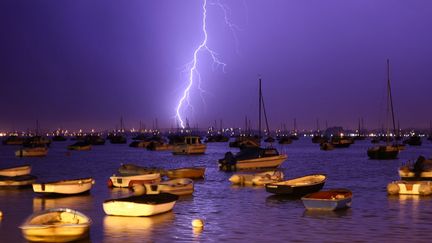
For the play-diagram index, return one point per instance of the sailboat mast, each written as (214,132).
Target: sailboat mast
(390,96)
(259,110)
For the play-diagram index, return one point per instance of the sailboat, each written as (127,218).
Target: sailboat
(253,157)
(388,151)
(118,137)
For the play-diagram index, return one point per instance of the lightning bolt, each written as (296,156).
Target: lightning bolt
(192,65)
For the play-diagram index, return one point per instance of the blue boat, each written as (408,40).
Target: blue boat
(328,200)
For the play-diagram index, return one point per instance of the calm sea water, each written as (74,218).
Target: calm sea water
(231,213)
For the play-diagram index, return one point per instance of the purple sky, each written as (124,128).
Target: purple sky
(84,64)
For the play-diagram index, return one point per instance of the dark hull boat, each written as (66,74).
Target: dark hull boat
(413,141)
(298,186)
(383,152)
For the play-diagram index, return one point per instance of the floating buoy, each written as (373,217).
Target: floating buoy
(197,223)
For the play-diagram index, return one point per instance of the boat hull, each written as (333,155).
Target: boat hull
(328,200)
(17,181)
(67,225)
(134,207)
(68,187)
(192,173)
(261,163)
(382,153)
(298,186)
(31,152)
(128,181)
(184,149)
(422,188)
(16,171)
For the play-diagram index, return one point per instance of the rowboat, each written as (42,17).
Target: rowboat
(16,170)
(141,205)
(56,225)
(17,181)
(179,187)
(190,145)
(69,187)
(298,186)
(129,180)
(422,188)
(258,179)
(32,152)
(188,172)
(131,169)
(328,200)
(252,158)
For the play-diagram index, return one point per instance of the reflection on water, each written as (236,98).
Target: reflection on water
(325,214)
(79,202)
(117,228)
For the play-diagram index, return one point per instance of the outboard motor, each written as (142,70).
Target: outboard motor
(228,163)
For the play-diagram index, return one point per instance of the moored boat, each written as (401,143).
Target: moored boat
(142,205)
(32,152)
(420,170)
(383,152)
(190,145)
(298,186)
(65,187)
(187,172)
(328,200)
(258,179)
(80,146)
(17,181)
(131,169)
(252,158)
(56,225)
(16,170)
(179,187)
(326,146)
(129,180)
(422,188)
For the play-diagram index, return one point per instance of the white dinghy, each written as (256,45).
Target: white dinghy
(67,187)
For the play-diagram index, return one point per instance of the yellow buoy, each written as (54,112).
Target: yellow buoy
(197,223)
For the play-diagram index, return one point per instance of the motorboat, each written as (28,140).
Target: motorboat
(129,180)
(252,158)
(56,225)
(190,145)
(423,188)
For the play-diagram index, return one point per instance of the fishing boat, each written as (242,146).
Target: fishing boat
(187,172)
(423,188)
(141,205)
(80,146)
(129,180)
(16,170)
(32,152)
(179,187)
(388,151)
(56,225)
(298,186)
(17,181)
(190,145)
(258,179)
(65,187)
(328,200)
(420,170)
(131,169)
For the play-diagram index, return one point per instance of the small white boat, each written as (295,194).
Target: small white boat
(56,225)
(17,181)
(422,188)
(191,145)
(32,152)
(142,205)
(179,187)
(328,200)
(16,170)
(129,180)
(258,179)
(69,187)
